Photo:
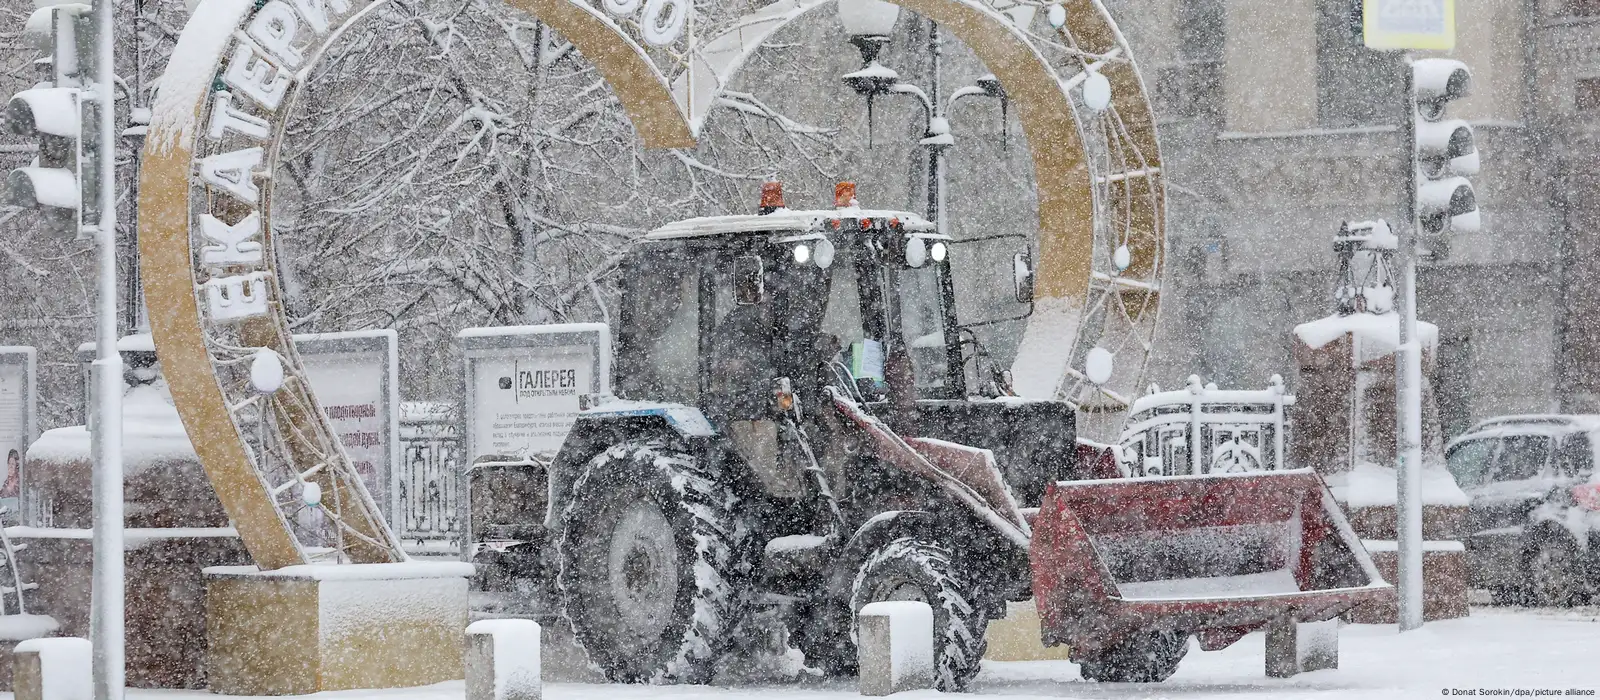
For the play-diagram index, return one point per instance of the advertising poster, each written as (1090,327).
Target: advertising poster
(355,377)
(16,423)
(526,403)
(524,385)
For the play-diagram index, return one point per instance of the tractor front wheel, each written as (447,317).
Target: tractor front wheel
(1150,657)
(651,570)
(916,570)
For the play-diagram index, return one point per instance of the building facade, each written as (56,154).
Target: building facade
(1278,124)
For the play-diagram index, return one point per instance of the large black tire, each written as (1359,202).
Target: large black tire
(1555,574)
(913,569)
(652,564)
(1150,657)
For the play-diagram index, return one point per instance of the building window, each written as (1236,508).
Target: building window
(1452,387)
(1193,86)
(1202,28)
(1583,8)
(1586,94)
(1356,86)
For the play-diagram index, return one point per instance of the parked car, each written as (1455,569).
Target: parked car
(1532,514)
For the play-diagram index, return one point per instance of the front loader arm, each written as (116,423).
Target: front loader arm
(986,498)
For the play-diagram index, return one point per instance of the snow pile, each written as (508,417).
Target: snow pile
(152,435)
(355,572)
(1427,546)
(1379,333)
(503,660)
(63,665)
(1277,582)
(794,543)
(896,646)
(15,628)
(1371,486)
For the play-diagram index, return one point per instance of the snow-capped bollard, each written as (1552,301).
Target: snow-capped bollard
(503,660)
(895,647)
(54,668)
(1298,647)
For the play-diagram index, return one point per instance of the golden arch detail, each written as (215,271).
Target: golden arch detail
(212,288)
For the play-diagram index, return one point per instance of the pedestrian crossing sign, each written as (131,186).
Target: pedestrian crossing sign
(1409,24)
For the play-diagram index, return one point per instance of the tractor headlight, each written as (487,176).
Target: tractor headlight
(824,254)
(802,253)
(939,251)
(916,252)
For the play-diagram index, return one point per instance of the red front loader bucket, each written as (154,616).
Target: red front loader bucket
(1216,556)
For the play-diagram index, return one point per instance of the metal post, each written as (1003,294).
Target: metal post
(935,111)
(106,616)
(1408,387)
(938,213)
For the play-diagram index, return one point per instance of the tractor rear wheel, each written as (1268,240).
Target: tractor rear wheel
(1150,657)
(651,564)
(913,569)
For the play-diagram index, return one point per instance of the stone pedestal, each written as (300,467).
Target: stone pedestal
(1444,583)
(1016,638)
(164,608)
(895,647)
(1444,565)
(308,629)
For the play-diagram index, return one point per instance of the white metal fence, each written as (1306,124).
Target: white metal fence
(430,478)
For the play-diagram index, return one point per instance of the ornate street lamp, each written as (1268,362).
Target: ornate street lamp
(869,23)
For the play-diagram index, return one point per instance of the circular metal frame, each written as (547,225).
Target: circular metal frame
(213,292)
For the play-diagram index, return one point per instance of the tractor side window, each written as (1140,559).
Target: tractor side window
(662,332)
(1468,462)
(922,322)
(741,351)
(1521,457)
(842,319)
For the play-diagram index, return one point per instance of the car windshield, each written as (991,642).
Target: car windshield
(1469,462)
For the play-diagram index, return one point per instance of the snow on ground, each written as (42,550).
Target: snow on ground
(1509,649)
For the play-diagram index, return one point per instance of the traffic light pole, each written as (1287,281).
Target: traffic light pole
(1408,385)
(106,617)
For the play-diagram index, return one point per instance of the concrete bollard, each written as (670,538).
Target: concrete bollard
(895,647)
(56,668)
(1298,647)
(502,661)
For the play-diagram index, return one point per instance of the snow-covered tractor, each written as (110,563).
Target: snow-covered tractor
(800,426)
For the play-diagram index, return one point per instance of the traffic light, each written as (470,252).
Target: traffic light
(1444,154)
(62,182)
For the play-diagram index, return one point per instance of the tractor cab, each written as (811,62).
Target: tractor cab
(717,310)
(738,315)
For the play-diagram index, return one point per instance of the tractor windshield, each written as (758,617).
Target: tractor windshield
(859,317)
(922,324)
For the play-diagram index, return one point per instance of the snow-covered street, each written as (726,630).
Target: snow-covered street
(1515,650)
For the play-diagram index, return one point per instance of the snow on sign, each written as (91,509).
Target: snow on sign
(1409,24)
(355,376)
(524,384)
(17,423)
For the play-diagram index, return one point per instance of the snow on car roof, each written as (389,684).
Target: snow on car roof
(780,220)
(1531,424)
(1534,422)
